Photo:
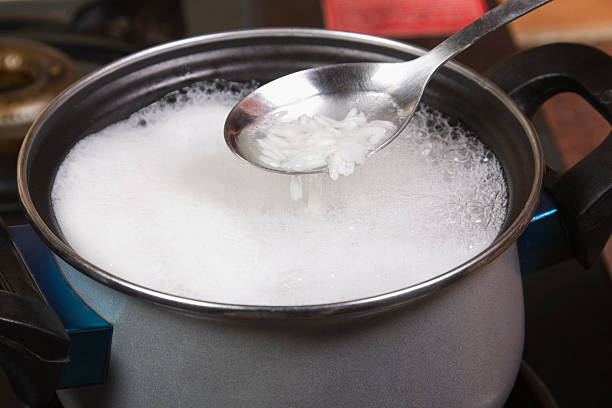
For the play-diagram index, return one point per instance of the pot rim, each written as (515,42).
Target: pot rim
(353,307)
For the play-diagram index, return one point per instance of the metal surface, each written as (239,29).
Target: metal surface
(123,87)
(385,91)
(31,75)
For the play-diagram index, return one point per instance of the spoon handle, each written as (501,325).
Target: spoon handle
(471,33)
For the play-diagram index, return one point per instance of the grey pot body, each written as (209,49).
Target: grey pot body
(459,347)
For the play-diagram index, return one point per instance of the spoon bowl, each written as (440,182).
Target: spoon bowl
(384,91)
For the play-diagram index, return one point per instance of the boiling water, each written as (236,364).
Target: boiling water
(159,200)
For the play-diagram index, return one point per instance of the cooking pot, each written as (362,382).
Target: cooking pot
(454,340)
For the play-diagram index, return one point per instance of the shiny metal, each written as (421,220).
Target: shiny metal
(387,91)
(31,75)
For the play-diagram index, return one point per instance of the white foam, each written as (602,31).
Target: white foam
(159,200)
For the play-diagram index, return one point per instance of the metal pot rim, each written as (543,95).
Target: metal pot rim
(354,307)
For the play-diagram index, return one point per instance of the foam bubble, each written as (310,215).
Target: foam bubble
(158,199)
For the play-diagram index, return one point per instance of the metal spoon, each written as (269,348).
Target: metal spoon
(379,89)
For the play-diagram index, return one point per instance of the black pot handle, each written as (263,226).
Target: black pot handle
(583,194)
(33,343)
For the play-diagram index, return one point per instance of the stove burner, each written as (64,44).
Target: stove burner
(31,75)
(530,391)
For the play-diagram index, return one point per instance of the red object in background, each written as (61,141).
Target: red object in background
(401,18)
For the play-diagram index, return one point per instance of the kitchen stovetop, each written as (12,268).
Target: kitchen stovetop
(568,309)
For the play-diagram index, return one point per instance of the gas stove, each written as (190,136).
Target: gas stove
(568,346)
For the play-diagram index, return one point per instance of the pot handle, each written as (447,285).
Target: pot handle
(583,193)
(33,343)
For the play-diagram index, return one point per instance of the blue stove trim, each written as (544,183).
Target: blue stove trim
(544,243)
(90,334)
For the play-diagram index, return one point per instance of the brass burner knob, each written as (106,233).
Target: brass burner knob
(31,75)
